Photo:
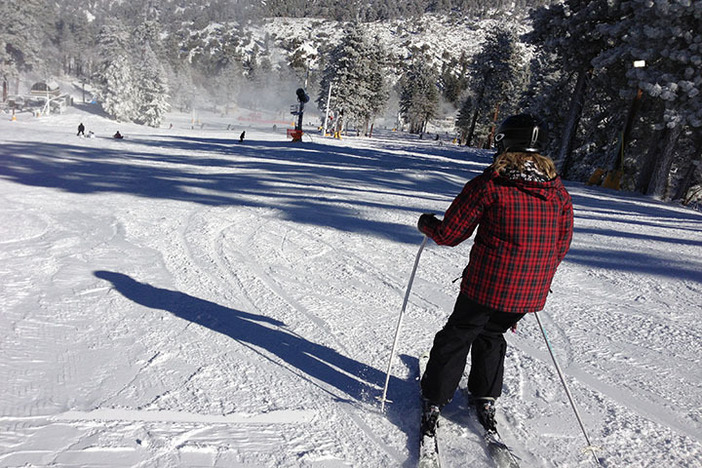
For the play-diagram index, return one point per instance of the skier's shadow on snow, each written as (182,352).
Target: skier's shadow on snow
(316,363)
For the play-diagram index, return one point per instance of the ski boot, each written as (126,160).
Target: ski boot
(430,418)
(485,408)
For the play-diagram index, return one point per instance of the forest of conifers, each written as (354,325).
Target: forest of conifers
(570,63)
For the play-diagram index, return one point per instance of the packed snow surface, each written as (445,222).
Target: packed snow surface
(180,298)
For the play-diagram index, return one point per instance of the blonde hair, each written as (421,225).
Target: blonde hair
(516,160)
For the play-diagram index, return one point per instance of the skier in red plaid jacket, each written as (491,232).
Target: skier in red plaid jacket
(524,220)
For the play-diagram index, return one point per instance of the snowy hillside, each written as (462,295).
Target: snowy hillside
(305,41)
(440,35)
(180,298)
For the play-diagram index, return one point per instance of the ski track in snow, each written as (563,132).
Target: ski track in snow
(178,299)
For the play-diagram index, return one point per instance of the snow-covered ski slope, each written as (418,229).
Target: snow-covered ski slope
(179,298)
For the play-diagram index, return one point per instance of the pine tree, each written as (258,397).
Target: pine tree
(569,39)
(668,36)
(227,76)
(151,82)
(354,68)
(74,40)
(496,78)
(419,96)
(21,35)
(180,82)
(453,79)
(151,89)
(464,120)
(116,92)
(115,75)
(377,80)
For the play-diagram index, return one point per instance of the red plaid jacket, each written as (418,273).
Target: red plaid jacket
(524,231)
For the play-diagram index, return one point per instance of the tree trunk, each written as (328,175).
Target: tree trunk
(576,110)
(692,164)
(471,130)
(659,181)
(646,172)
(635,105)
(686,182)
(491,136)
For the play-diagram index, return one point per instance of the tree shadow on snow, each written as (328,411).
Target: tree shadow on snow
(220,172)
(320,365)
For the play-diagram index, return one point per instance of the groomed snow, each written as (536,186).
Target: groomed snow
(179,298)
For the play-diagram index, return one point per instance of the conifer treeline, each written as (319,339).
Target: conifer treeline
(574,69)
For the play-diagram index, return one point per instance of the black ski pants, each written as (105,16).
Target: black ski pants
(471,327)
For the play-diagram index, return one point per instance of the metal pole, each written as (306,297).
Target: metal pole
(589,447)
(399,323)
(326,117)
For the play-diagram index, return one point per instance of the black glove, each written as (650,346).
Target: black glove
(427,223)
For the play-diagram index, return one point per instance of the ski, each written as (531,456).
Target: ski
(429,453)
(428,446)
(496,449)
(499,452)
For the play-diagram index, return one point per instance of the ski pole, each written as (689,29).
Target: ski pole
(399,324)
(589,447)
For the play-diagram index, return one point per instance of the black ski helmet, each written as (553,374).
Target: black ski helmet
(521,133)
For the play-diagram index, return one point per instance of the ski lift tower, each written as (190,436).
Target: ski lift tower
(302,99)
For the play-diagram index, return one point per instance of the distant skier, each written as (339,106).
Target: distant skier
(524,220)
(81,129)
(118,135)
(241,137)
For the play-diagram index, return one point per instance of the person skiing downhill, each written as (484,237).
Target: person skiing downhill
(524,220)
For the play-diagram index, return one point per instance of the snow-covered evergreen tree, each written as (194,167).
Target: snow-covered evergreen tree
(464,120)
(419,96)
(22,31)
(568,37)
(256,68)
(496,78)
(667,34)
(150,77)
(151,89)
(355,69)
(377,79)
(115,75)
(453,78)
(180,81)
(587,50)
(224,73)
(74,40)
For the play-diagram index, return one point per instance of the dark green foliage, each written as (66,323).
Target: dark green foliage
(585,84)
(419,96)
(142,54)
(496,76)
(355,71)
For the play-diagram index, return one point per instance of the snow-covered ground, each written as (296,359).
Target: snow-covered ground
(180,298)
